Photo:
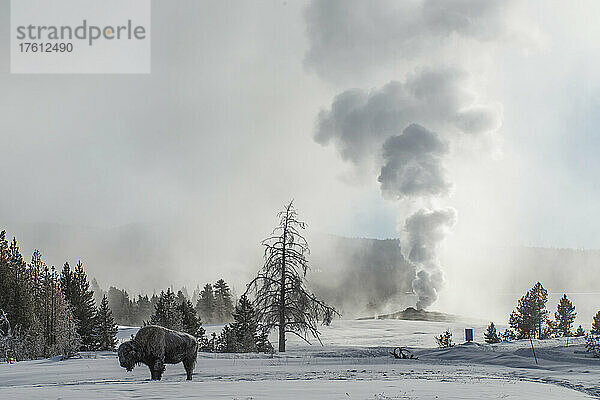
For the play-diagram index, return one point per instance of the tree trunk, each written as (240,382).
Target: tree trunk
(282,294)
(281,338)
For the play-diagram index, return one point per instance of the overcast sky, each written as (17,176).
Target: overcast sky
(222,132)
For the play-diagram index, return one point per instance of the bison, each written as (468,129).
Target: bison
(156,346)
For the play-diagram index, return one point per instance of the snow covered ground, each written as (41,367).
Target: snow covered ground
(354,363)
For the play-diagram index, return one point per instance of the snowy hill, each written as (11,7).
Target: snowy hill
(412,314)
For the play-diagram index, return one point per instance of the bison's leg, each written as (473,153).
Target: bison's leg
(159,368)
(158,374)
(189,364)
(152,373)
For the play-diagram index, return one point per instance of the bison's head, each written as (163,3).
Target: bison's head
(128,357)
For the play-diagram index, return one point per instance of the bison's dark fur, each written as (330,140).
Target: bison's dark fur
(156,346)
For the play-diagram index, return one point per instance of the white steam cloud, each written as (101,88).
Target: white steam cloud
(425,230)
(413,164)
(358,121)
(354,38)
(405,130)
(386,127)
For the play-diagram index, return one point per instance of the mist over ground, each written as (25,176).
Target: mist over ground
(359,276)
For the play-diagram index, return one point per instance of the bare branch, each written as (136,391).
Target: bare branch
(281,297)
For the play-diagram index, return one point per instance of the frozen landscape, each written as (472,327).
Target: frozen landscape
(315,199)
(354,363)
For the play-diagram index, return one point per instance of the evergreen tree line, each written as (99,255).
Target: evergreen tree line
(176,312)
(95,326)
(69,320)
(126,311)
(45,313)
(213,304)
(242,335)
(531,319)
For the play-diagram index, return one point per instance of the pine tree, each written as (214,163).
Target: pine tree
(490,335)
(223,302)
(35,340)
(530,316)
(166,312)
(579,332)
(206,304)
(36,269)
(508,335)
(550,329)
(213,342)
(245,325)
(68,285)
(5,275)
(196,295)
(105,329)
(251,336)
(145,308)
(59,330)
(565,316)
(66,339)
(596,324)
(98,292)
(76,289)
(243,335)
(16,300)
(15,293)
(126,311)
(539,297)
(49,293)
(40,319)
(189,320)
(227,341)
(184,292)
(263,345)
(444,340)
(181,297)
(122,307)
(87,309)
(592,345)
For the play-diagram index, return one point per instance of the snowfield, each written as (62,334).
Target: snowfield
(354,363)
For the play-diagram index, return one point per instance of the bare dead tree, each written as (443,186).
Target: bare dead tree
(281,299)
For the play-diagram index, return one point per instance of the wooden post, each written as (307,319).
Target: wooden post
(533,350)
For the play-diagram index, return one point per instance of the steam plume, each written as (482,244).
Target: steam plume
(354,38)
(405,130)
(425,230)
(364,128)
(413,164)
(358,121)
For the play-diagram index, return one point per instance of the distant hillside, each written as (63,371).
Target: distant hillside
(367,277)
(361,276)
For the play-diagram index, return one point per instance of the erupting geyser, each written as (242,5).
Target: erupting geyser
(425,230)
(411,163)
(405,130)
